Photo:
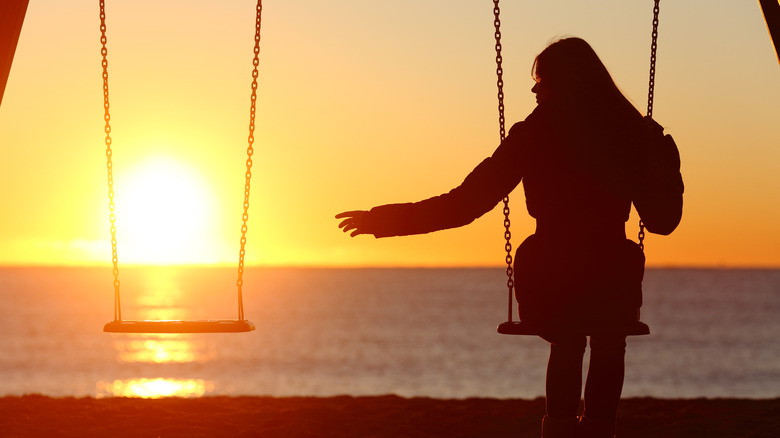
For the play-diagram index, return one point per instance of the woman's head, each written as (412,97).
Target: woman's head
(569,69)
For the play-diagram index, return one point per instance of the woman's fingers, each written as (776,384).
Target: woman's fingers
(350,213)
(352,222)
(347,224)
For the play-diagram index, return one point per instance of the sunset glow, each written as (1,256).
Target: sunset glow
(358,104)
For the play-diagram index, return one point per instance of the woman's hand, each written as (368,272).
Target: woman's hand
(353,222)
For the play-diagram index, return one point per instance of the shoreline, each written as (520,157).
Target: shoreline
(366,416)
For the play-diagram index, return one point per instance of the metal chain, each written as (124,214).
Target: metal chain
(109,163)
(653,50)
(249,152)
(499,70)
(510,284)
(650,95)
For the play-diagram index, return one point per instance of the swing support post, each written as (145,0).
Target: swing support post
(771,11)
(11,19)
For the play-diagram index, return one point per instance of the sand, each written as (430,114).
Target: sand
(365,417)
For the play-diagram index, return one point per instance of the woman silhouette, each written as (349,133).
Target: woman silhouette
(577,156)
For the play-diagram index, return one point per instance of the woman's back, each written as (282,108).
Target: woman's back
(579,170)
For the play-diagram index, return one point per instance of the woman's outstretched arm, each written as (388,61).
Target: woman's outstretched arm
(482,189)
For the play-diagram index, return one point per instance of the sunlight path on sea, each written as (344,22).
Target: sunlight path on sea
(160,298)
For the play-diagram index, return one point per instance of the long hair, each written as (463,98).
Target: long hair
(573,72)
(599,116)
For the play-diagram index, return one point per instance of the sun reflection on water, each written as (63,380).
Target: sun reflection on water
(160,296)
(154,388)
(161,348)
(161,299)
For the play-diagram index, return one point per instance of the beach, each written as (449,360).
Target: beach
(364,417)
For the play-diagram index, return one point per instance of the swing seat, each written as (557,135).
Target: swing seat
(179,326)
(636,328)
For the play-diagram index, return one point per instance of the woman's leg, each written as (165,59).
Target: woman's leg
(564,375)
(605,377)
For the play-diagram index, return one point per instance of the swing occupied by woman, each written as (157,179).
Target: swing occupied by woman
(578,156)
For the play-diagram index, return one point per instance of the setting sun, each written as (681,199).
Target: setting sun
(165,213)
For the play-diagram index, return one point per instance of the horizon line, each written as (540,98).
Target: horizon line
(352,266)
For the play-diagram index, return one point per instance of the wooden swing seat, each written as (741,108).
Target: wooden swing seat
(179,326)
(637,328)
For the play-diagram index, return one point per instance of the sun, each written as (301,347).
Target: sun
(164,214)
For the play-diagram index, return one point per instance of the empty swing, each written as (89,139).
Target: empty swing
(510,327)
(118,325)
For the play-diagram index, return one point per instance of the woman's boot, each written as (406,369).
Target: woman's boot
(590,428)
(559,428)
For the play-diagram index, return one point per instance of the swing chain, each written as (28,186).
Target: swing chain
(502,132)
(109,163)
(650,95)
(499,71)
(249,152)
(653,49)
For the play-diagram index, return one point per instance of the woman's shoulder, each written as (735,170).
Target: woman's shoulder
(545,119)
(538,118)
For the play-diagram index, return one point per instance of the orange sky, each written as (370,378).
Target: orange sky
(360,103)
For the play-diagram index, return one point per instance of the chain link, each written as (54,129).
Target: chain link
(109,163)
(510,284)
(249,153)
(650,95)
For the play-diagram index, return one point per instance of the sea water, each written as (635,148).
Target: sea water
(321,332)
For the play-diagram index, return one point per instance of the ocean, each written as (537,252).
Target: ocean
(412,332)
